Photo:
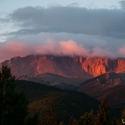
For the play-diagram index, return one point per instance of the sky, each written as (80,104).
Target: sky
(73,28)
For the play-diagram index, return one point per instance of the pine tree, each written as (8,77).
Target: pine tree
(50,118)
(123,116)
(87,119)
(120,120)
(114,122)
(13,105)
(72,121)
(61,123)
(34,120)
(103,113)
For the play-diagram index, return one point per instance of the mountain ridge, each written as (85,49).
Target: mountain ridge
(111,85)
(33,65)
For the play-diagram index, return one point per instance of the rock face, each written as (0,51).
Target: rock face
(95,65)
(33,65)
(120,67)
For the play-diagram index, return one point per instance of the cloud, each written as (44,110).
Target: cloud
(66,30)
(12,49)
(68,48)
(122,51)
(55,19)
(23,48)
(102,52)
(60,44)
(122,3)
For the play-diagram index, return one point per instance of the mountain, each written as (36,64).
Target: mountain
(35,65)
(111,85)
(95,76)
(55,80)
(65,66)
(64,103)
(104,75)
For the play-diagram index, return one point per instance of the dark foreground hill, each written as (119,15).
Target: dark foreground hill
(64,103)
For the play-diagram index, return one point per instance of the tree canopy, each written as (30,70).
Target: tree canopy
(13,104)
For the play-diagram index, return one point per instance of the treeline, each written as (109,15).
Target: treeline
(14,108)
(102,117)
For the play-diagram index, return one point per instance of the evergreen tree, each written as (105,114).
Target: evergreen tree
(87,119)
(61,123)
(123,116)
(13,105)
(50,118)
(114,122)
(34,120)
(72,121)
(92,116)
(103,113)
(120,121)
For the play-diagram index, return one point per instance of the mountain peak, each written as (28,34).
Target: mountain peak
(33,65)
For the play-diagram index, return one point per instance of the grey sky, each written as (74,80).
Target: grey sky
(122,3)
(76,20)
(97,28)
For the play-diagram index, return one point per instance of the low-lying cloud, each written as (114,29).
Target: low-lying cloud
(46,43)
(122,51)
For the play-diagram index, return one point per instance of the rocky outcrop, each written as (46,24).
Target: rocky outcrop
(120,66)
(33,65)
(101,84)
(95,65)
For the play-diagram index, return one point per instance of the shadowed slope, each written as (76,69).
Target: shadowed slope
(64,103)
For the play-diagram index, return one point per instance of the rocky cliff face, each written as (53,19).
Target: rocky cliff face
(35,65)
(120,67)
(63,65)
(95,65)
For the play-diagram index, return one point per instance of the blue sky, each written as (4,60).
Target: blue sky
(85,27)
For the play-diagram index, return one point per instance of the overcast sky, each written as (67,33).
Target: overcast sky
(85,28)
